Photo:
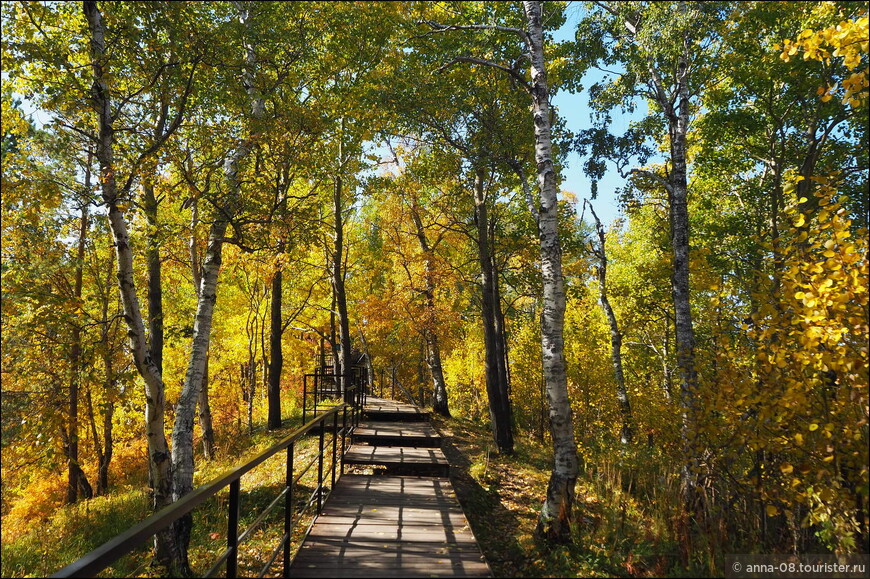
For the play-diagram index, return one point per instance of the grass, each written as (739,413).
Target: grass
(39,548)
(623,526)
(627,515)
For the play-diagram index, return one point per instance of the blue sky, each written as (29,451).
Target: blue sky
(575,110)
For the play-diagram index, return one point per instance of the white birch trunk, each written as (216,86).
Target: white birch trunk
(556,511)
(182,432)
(683,328)
(159,466)
(627,430)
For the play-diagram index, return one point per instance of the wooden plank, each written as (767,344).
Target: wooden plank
(352,482)
(326,547)
(454,518)
(359,454)
(400,428)
(383,559)
(380,526)
(417,533)
(390,410)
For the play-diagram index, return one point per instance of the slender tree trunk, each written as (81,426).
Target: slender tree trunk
(155,283)
(501,348)
(556,511)
(204,414)
(439,387)
(627,430)
(74,471)
(105,456)
(203,406)
(98,447)
(276,357)
(496,389)
(338,274)
(182,432)
(684,332)
(166,548)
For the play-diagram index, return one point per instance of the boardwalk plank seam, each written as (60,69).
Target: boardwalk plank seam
(392,526)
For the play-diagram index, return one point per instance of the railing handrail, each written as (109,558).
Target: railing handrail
(120,545)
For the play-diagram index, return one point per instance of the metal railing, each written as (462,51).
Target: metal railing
(321,389)
(109,552)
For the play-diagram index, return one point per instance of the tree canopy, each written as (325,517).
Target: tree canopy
(201,201)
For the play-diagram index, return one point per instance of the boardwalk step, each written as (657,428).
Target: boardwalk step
(385,415)
(396,434)
(400,459)
(383,410)
(390,527)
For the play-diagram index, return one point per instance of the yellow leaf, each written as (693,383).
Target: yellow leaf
(772,511)
(786,468)
(814,427)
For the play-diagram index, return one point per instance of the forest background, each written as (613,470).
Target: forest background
(271,179)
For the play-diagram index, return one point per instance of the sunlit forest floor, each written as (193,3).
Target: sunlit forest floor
(618,532)
(627,517)
(40,537)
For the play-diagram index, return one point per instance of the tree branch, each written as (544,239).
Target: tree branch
(447,27)
(516,75)
(654,177)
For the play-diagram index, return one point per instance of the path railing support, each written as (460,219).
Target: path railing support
(106,554)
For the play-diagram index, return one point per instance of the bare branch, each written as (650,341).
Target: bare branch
(631,26)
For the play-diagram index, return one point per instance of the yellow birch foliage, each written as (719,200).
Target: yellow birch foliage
(847,40)
(812,376)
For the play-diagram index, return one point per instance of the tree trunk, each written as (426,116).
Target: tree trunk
(98,447)
(276,357)
(343,366)
(439,394)
(74,471)
(501,348)
(684,332)
(555,517)
(204,414)
(496,389)
(439,387)
(166,548)
(204,408)
(155,285)
(105,457)
(627,430)
(182,432)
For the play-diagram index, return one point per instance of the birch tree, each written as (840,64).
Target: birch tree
(182,431)
(167,550)
(664,48)
(555,517)
(627,430)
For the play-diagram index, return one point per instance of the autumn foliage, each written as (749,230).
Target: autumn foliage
(426,155)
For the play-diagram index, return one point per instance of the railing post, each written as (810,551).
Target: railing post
(288,511)
(334,445)
(318,384)
(343,437)
(320,471)
(233,530)
(304,395)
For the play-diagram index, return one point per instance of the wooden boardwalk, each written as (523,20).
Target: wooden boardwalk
(384,525)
